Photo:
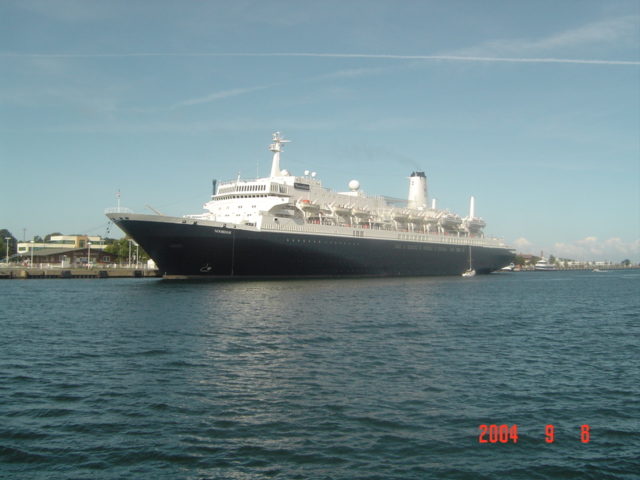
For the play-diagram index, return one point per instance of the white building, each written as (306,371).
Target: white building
(63,241)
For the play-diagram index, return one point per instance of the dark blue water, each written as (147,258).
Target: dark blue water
(337,379)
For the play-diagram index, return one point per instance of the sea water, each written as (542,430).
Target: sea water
(505,376)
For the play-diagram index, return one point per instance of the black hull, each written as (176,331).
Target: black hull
(192,250)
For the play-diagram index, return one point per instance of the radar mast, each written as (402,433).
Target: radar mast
(276,148)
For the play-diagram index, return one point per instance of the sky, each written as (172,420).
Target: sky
(531,107)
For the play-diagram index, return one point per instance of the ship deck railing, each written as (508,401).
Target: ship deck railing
(118,210)
(373,233)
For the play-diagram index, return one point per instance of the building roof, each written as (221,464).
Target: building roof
(44,252)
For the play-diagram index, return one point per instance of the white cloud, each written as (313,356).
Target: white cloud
(521,243)
(592,249)
(71,10)
(607,33)
(218,96)
(460,58)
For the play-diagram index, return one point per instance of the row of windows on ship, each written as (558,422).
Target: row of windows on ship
(253,188)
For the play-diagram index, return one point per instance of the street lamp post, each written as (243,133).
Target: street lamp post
(8,239)
(88,254)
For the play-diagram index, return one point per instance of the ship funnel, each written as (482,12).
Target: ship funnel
(472,207)
(418,190)
(276,148)
(433,204)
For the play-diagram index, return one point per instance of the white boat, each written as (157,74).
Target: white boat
(340,210)
(307,206)
(470,272)
(450,220)
(544,266)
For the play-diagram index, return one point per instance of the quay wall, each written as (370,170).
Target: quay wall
(28,273)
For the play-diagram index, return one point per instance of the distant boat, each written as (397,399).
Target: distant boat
(544,266)
(509,268)
(471,272)
(597,270)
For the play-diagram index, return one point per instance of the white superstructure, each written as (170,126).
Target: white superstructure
(300,203)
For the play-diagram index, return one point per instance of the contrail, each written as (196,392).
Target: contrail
(326,55)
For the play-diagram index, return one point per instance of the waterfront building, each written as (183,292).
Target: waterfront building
(62,241)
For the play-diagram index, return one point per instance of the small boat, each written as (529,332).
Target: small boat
(399,216)
(360,212)
(308,206)
(470,272)
(509,268)
(450,220)
(340,210)
(544,266)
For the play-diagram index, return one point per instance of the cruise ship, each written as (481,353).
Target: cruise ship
(285,225)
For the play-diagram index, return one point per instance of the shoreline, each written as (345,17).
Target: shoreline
(22,273)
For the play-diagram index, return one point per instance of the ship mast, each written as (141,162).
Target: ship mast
(276,148)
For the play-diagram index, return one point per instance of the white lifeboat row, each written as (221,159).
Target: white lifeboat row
(442,219)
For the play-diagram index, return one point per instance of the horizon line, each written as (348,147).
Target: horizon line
(327,55)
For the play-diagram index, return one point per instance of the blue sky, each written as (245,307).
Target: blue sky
(531,107)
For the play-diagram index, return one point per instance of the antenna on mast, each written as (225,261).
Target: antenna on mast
(276,148)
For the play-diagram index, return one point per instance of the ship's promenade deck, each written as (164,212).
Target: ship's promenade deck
(384,234)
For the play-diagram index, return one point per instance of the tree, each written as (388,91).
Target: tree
(13,243)
(626,262)
(121,248)
(48,237)
(519,260)
(552,259)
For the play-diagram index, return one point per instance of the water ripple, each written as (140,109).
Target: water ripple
(336,379)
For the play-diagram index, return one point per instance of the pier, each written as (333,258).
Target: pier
(28,273)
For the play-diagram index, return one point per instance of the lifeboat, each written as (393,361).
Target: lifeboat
(340,210)
(399,216)
(450,220)
(360,213)
(474,224)
(418,218)
(307,206)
